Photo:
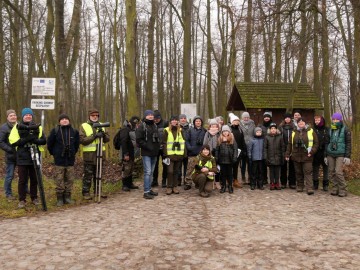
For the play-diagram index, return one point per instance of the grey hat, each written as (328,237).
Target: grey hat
(257,129)
(245,114)
(225,128)
(182,116)
(213,122)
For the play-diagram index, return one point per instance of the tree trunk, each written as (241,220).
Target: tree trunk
(248,44)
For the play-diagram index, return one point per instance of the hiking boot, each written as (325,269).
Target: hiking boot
(35,202)
(148,196)
(316,184)
(153,193)
(204,194)
(299,189)
(175,190)
(292,187)
(277,186)
(223,189)
(87,196)
(272,186)
(67,198)
(231,189)
(60,199)
(325,188)
(125,188)
(310,192)
(21,204)
(237,184)
(10,198)
(187,187)
(342,193)
(168,191)
(334,192)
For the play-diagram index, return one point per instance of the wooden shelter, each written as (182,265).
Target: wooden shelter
(257,98)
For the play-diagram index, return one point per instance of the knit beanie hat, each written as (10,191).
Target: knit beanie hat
(182,116)
(64,115)
(301,119)
(337,116)
(213,122)
(134,120)
(245,114)
(196,117)
(287,115)
(267,114)
(257,129)
(174,117)
(273,125)
(10,111)
(219,118)
(26,111)
(157,114)
(148,112)
(225,128)
(233,117)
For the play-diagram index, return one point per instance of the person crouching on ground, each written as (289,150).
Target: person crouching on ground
(63,144)
(274,148)
(204,171)
(226,156)
(174,149)
(255,155)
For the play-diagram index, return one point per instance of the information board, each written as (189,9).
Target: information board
(43,87)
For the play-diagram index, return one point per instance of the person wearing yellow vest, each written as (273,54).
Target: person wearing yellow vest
(302,146)
(89,138)
(174,149)
(21,139)
(204,171)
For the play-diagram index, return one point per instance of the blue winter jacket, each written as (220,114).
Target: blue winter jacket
(194,141)
(255,149)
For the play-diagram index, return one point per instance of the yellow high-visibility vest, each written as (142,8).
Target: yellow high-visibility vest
(89,132)
(170,143)
(309,135)
(15,136)
(208,164)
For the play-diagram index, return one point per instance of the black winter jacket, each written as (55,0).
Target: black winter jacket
(10,152)
(323,135)
(226,153)
(127,145)
(148,139)
(240,140)
(23,155)
(194,140)
(274,149)
(63,143)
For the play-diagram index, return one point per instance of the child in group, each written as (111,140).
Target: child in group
(204,172)
(274,149)
(255,154)
(226,156)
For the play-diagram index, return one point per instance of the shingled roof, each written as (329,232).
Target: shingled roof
(248,95)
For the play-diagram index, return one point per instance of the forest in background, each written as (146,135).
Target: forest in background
(124,56)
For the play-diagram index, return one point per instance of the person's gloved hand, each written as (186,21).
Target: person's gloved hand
(347,161)
(326,161)
(31,137)
(99,135)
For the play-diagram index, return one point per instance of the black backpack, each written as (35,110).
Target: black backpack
(116,140)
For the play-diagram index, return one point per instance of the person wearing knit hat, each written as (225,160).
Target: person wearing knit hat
(338,153)
(220,120)
(211,139)
(157,114)
(194,143)
(184,124)
(174,148)
(226,155)
(296,117)
(322,132)
(22,138)
(91,138)
(302,146)
(10,156)
(240,141)
(255,155)
(287,175)
(148,139)
(247,126)
(63,144)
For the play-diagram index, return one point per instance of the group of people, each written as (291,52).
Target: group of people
(286,155)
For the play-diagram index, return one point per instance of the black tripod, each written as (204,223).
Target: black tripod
(37,166)
(99,157)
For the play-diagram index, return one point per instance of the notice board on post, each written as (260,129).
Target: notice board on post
(189,109)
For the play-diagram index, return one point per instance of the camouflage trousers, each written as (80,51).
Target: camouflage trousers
(89,176)
(127,168)
(189,171)
(64,178)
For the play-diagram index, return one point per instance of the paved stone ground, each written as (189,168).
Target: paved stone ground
(245,230)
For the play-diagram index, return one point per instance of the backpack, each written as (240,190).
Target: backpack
(116,140)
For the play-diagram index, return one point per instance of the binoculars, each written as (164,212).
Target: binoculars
(176,145)
(199,142)
(28,127)
(334,146)
(300,144)
(155,137)
(101,125)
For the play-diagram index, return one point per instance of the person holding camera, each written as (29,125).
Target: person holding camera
(90,138)
(194,142)
(337,154)
(302,146)
(10,154)
(23,136)
(204,171)
(63,144)
(174,149)
(148,139)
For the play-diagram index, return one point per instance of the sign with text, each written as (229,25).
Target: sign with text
(43,104)
(43,87)
(189,109)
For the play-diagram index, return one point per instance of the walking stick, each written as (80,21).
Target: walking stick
(37,166)
(99,154)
